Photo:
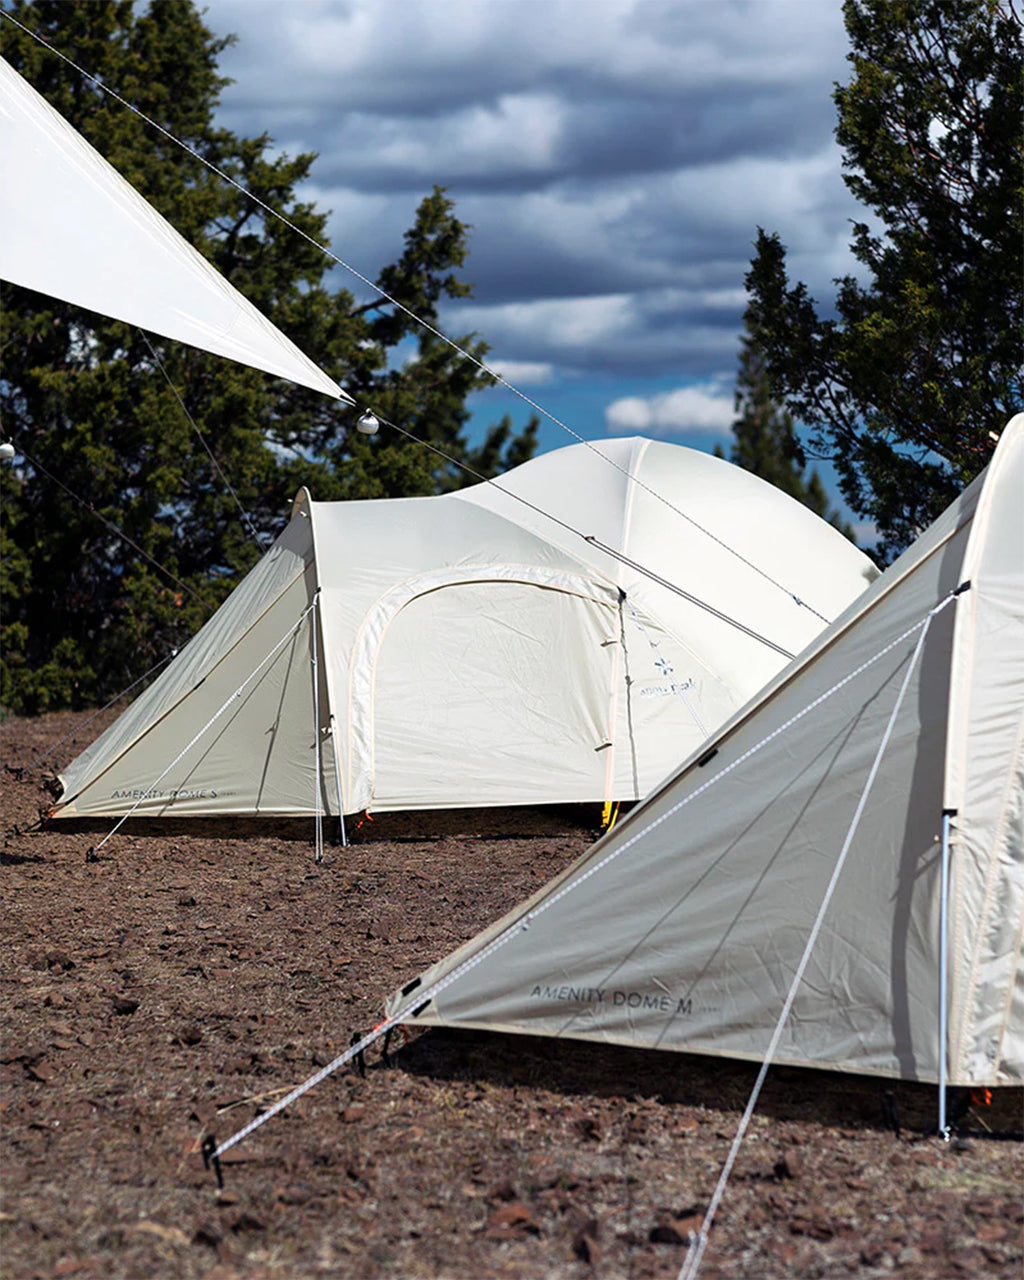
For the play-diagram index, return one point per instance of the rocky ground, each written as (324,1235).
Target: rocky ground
(194,974)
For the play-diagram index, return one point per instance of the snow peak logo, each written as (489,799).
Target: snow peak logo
(137,793)
(664,690)
(615,998)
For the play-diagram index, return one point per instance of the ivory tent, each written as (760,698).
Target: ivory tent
(474,649)
(896,744)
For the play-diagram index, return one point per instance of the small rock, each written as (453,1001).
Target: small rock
(75,1267)
(811,1223)
(511,1220)
(678,1229)
(548,1176)
(790,1164)
(191,1035)
(206,1233)
(245,1222)
(585,1248)
(170,1235)
(349,1115)
(41,1070)
(24,1053)
(293,1193)
(588,1128)
(123,1006)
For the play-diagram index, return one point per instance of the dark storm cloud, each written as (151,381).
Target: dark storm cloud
(614,157)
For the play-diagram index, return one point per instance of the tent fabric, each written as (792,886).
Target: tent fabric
(683,928)
(72,228)
(475,652)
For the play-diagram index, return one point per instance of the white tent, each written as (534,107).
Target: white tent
(71,227)
(474,649)
(896,744)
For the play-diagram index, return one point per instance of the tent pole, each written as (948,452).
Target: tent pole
(318,837)
(947,815)
(337,782)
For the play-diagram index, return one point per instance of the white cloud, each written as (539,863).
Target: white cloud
(523,373)
(553,322)
(706,407)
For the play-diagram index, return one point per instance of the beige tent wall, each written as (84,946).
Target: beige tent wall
(985,782)
(258,756)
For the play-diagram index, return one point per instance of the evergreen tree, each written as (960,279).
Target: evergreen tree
(905,385)
(765,441)
(122,526)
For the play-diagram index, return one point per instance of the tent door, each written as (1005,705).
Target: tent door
(465,687)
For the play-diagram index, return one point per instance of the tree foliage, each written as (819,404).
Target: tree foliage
(920,362)
(122,526)
(765,441)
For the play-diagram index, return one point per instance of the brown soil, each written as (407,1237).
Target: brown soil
(195,973)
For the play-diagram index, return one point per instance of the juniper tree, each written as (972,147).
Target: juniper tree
(121,521)
(904,379)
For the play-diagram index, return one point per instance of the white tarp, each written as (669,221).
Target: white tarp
(473,652)
(683,928)
(72,228)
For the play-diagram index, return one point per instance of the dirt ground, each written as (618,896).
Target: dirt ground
(194,974)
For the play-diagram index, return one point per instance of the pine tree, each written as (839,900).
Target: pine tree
(920,367)
(765,440)
(122,522)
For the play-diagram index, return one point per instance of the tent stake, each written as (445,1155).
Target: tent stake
(947,815)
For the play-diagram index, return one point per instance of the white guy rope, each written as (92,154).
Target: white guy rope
(703,604)
(250,528)
(89,719)
(424,324)
(698,1243)
(635,565)
(147,794)
(203,604)
(522,924)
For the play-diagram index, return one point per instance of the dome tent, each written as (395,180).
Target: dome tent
(567,633)
(896,743)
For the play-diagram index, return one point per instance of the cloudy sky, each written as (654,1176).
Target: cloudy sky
(614,157)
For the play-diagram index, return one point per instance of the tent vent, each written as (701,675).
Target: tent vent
(419,1008)
(410,986)
(707,759)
